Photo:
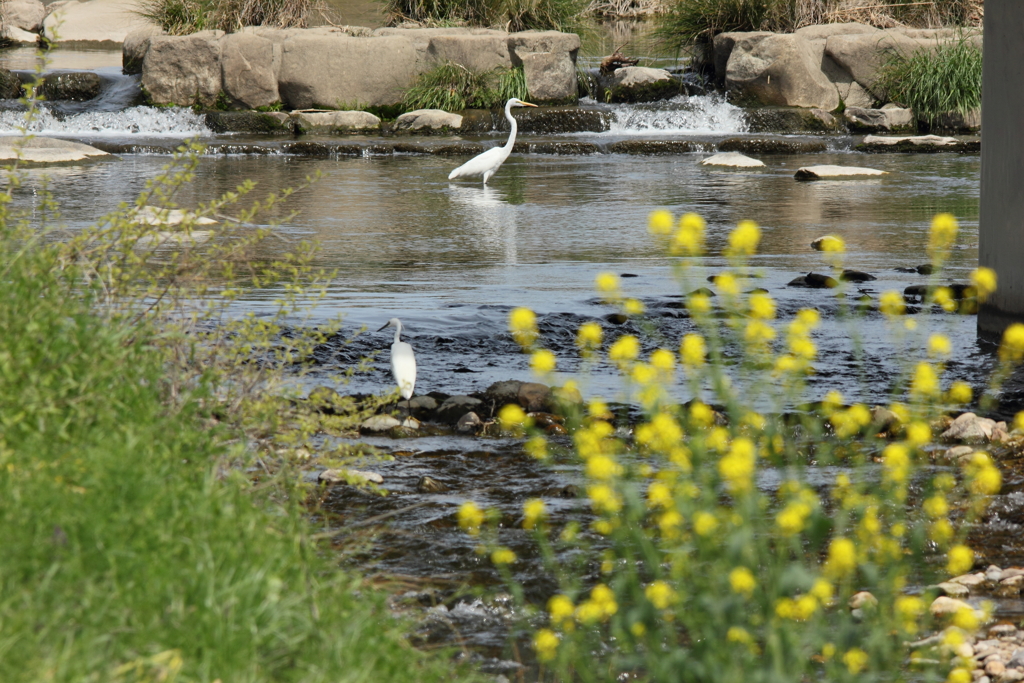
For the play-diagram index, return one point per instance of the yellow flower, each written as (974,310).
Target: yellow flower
(938,345)
(758,333)
(669,523)
(561,609)
(643,374)
(542,361)
(726,282)
(699,304)
(918,433)
(511,416)
(822,590)
(626,348)
(743,240)
(967,619)
(660,222)
(737,634)
(607,283)
(943,296)
(855,660)
(522,322)
(503,556)
(959,675)
(1012,348)
(941,531)
(660,594)
(664,360)
(742,581)
(926,380)
(545,644)
(638,629)
(689,239)
(633,307)
(534,511)
(692,350)
(737,467)
(603,468)
(792,518)
(762,306)
(604,499)
(833,244)
(910,606)
(659,495)
(828,651)
(603,596)
(891,303)
(589,337)
(701,414)
(704,523)
(960,392)
(942,235)
(842,558)
(984,281)
(985,477)
(470,517)
(537,447)
(936,506)
(960,560)
(799,609)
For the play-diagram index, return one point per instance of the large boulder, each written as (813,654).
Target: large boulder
(527,42)
(550,77)
(638,84)
(778,69)
(334,121)
(10,85)
(94,21)
(26,15)
(321,69)
(424,120)
(183,70)
(135,47)
(249,65)
(476,52)
(74,86)
(888,118)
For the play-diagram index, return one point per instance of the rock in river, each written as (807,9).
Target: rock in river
(455,407)
(828,171)
(732,159)
(814,281)
(428,119)
(39,151)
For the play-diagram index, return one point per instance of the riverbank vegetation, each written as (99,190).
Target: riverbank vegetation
(153,525)
(181,17)
(453,87)
(936,82)
(755,533)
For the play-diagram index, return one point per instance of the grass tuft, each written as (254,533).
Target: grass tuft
(453,87)
(936,82)
(509,15)
(181,17)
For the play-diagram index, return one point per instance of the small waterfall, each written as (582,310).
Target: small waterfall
(693,115)
(111,114)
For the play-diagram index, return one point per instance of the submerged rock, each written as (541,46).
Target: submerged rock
(652,147)
(827,243)
(430,485)
(42,151)
(423,120)
(379,423)
(73,86)
(856,276)
(345,476)
(770,145)
(814,281)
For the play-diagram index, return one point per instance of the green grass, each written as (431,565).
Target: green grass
(453,87)
(181,17)
(935,82)
(510,15)
(130,551)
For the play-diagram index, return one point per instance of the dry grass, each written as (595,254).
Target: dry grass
(181,17)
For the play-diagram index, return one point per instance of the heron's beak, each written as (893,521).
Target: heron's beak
(527,104)
(384,325)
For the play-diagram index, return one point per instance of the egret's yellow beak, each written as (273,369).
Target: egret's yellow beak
(527,104)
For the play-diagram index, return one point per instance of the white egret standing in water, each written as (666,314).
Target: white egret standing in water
(403,361)
(487,164)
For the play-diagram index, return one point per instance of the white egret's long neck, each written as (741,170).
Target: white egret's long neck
(398,332)
(512,122)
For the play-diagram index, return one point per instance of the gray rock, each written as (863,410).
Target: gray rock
(468,423)
(455,407)
(1016,659)
(135,47)
(183,70)
(10,85)
(503,393)
(829,171)
(379,423)
(249,66)
(943,606)
(779,69)
(875,120)
(526,42)
(533,396)
(638,84)
(422,406)
(954,590)
(325,400)
(93,21)
(430,485)
(993,573)
(428,119)
(550,77)
(917,140)
(732,159)
(26,15)
(770,145)
(969,580)
(18,36)
(334,121)
(346,476)
(971,428)
(478,52)
(955,121)
(43,151)
(75,86)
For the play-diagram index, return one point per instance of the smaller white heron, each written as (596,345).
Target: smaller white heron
(403,361)
(488,163)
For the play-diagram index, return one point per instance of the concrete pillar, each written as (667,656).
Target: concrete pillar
(1001,240)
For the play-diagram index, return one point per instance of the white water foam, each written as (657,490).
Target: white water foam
(143,121)
(697,115)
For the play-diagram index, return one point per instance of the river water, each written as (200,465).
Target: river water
(451,259)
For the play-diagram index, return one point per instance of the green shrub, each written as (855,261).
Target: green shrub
(181,17)
(509,15)
(935,82)
(727,535)
(453,87)
(697,22)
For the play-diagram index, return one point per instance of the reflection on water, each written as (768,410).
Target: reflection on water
(451,258)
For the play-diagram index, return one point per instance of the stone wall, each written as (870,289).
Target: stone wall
(816,66)
(335,68)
